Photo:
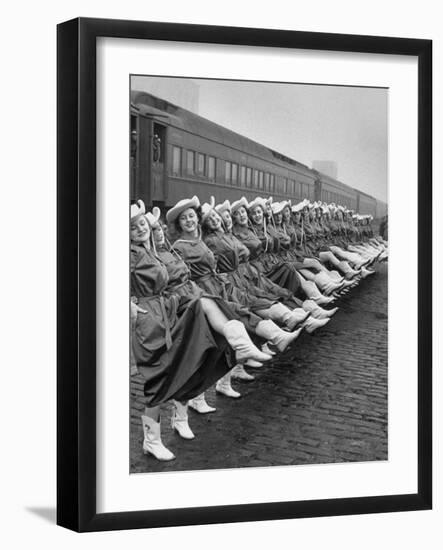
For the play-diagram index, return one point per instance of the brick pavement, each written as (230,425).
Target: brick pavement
(324,400)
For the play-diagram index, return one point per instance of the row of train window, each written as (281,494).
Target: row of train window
(197,164)
(338,198)
(367,207)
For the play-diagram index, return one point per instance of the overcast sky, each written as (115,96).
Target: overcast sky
(305,122)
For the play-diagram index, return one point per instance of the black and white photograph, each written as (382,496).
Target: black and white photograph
(258,274)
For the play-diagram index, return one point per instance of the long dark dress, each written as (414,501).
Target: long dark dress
(202,265)
(309,239)
(256,267)
(175,348)
(287,253)
(272,265)
(227,251)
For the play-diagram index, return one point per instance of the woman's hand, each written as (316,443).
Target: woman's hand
(135,310)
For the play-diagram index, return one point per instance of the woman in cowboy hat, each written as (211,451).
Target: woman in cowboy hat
(320,276)
(254,280)
(185,216)
(345,245)
(291,216)
(308,244)
(216,309)
(252,244)
(282,273)
(230,253)
(261,264)
(177,350)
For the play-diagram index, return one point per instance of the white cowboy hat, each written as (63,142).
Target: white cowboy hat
(298,207)
(220,208)
(173,213)
(237,204)
(207,208)
(153,216)
(258,201)
(278,207)
(137,209)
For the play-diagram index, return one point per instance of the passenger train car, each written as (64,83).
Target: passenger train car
(177,154)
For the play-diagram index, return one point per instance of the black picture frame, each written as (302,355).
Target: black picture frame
(76,280)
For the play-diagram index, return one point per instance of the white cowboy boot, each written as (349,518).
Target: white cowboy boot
(239,373)
(281,313)
(152,442)
(179,420)
(324,282)
(312,324)
(323,300)
(366,272)
(224,386)
(318,312)
(266,349)
(274,334)
(347,269)
(239,340)
(199,405)
(335,275)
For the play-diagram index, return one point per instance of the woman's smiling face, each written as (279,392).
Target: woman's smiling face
(241,216)
(158,234)
(140,230)
(226,217)
(213,221)
(286,214)
(188,221)
(278,218)
(257,215)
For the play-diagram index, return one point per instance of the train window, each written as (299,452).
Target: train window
(190,162)
(242,176)
(260,180)
(248,177)
(211,168)
(200,163)
(227,172)
(266,187)
(234,173)
(255,178)
(272,183)
(176,161)
(279,187)
(283,186)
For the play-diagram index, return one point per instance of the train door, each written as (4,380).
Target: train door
(148,160)
(158,156)
(133,160)
(317,190)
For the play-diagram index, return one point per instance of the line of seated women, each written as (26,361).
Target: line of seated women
(225,286)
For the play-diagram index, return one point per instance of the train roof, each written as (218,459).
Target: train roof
(147,104)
